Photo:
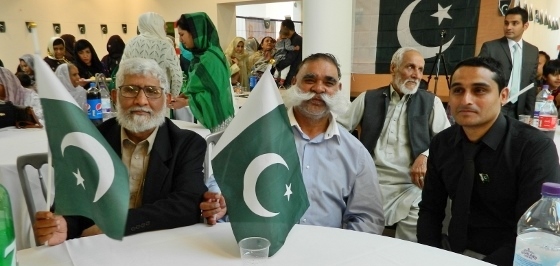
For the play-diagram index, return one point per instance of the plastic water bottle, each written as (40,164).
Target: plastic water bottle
(539,102)
(7,233)
(538,231)
(548,117)
(94,105)
(105,103)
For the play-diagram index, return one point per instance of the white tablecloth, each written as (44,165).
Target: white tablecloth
(203,245)
(16,142)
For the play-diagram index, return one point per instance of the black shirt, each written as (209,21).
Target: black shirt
(513,162)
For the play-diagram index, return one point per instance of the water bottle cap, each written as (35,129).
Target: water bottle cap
(550,189)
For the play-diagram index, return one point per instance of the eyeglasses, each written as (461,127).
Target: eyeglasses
(131,91)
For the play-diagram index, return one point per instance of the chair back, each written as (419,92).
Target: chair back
(36,160)
(211,141)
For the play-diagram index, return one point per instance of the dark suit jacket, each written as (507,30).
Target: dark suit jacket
(174,182)
(499,50)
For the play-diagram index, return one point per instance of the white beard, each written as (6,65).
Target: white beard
(136,123)
(402,85)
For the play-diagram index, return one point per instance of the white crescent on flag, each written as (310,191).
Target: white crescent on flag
(99,155)
(407,40)
(250,178)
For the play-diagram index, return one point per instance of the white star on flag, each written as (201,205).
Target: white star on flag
(442,13)
(79,179)
(288,191)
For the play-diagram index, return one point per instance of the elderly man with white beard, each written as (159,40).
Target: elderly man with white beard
(338,173)
(164,162)
(397,124)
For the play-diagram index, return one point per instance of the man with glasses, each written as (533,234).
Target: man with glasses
(164,162)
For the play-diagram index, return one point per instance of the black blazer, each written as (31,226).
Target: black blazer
(499,50)
(174,182)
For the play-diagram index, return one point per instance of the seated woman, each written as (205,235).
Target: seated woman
(69,41)
(87,61)
(11,90)
(251,46)
(55,53)
(237,59)
(69,75)
(259,60)
(27,67)
(115,49)
(208,88)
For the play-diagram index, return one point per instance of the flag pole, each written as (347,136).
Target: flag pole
(33,27)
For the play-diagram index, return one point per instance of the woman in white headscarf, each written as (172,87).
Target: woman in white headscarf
(69,75)
(11,90)
(152,43)
(55,51)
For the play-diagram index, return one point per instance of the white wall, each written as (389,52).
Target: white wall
(539,35)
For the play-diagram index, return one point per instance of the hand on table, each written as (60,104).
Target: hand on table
(49,228)
(418,170)
(213,207)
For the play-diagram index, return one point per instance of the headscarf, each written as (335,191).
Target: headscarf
(96,65)
(208,88)
(230,50)
(28,59)
(152,25)
(62,72)
(15,93)
(69,41)
(242,57)
(252,45)
(50,47)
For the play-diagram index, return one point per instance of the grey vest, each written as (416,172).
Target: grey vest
(419,109)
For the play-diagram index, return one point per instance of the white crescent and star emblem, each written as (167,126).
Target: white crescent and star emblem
(99,155)
(405,36)
(251,176)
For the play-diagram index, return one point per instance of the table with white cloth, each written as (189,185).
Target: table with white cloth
(215,245)
(17,142)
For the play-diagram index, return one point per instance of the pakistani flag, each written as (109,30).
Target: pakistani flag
(90,179)
(414,23)
(257,168)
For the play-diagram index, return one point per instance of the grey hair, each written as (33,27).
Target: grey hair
(141,66)
(398,55)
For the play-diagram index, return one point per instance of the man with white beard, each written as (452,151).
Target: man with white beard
(338,173)
(164,162)
(397,123)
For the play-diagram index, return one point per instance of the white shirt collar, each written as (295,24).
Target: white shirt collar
(332,129)
(512,42)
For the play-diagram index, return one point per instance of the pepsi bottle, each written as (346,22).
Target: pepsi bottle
(95,112)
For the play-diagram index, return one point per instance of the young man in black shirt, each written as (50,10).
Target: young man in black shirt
(490,192)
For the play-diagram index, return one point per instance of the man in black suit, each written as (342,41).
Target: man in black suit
(293,58)
(164,162)
(503,49)
(490,165)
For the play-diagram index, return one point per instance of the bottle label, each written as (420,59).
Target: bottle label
(548,122)
(94,109)
(537,249)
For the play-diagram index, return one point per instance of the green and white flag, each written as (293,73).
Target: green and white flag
(90,179)
(257,167)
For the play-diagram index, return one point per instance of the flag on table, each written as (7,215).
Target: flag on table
(90,179)
(417,24)
(257,168)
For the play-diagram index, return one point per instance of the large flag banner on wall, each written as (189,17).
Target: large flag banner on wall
(90,178)
(418,24)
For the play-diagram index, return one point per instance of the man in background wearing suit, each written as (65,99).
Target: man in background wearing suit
(504,50)
(490,165)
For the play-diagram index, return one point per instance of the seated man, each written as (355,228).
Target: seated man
(339,175)
(397,124)
(164,162)
(490,165)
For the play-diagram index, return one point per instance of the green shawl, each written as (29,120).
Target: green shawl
(209,87)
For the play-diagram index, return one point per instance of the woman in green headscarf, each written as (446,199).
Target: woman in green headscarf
(208,88)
